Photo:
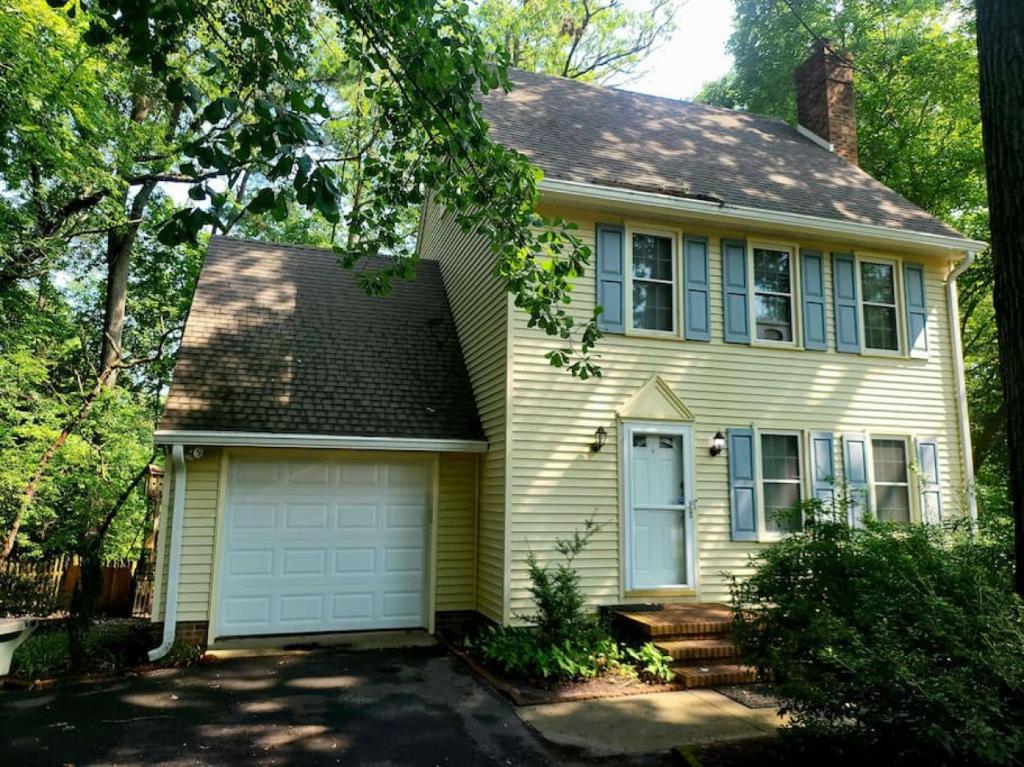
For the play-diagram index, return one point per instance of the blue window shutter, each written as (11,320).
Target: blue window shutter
(736,292)
(611,277)
(697,303)
(930,479)
(917,309)
(844,288)
(855,475)
(823,469)
(743,484)
(812,271)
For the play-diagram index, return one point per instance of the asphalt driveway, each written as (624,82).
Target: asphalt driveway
(414,706)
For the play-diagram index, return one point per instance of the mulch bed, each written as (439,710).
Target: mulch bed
(523,693)
(750,695)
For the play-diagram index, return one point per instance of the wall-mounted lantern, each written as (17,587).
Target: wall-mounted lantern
(717,444)
(600,436)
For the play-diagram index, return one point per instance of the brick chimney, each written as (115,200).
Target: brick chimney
(824,98)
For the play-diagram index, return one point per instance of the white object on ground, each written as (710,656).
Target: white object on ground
(13,631)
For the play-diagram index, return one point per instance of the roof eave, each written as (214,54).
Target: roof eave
(321,441)
(740,216)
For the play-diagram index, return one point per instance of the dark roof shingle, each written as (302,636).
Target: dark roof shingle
(595,135)
(281,339)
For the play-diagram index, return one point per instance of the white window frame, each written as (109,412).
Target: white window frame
(674,236)
(795,298)
(763,533)
(911,484)
(861,258)
(627,429)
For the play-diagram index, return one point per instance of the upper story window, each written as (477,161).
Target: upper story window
(653,282)
(773,294)
(878,288)
(781,482)
(891,480)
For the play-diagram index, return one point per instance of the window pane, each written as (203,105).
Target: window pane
(652,257)
(771,270)
(880,328)
(639,440)
(652,305)
(780,456)
(893,503)
(879,285)
(774,321)
(890,460)
(781,512)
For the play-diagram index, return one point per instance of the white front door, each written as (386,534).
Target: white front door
(659,495)
(323,544)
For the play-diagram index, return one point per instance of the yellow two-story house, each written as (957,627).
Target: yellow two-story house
(778,326)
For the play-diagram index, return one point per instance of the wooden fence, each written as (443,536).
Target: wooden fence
(127,587)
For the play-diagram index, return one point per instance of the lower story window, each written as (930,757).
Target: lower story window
(781,482)
(892,480)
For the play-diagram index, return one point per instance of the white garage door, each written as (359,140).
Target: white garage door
(322,545)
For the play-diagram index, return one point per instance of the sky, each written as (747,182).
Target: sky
(695,53)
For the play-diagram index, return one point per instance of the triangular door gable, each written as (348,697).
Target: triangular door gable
(654,401)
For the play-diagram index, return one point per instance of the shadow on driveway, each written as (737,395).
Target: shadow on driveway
(415,706)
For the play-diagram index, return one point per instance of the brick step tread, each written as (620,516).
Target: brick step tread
(714,676)
(697,649)
(676,629)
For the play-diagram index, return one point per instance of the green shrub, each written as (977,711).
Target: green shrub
(183,654)
(651,664)
(905,637)
(562,615)
(566,641)
(22,595)
(110,646)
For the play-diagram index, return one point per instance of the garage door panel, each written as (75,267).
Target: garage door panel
(323,545)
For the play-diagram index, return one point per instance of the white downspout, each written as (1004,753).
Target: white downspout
(961,387)
(174,564)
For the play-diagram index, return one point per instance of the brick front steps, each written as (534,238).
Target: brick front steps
(698,637)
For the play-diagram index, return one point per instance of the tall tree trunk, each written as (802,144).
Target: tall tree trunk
(1001,67)
(120,242)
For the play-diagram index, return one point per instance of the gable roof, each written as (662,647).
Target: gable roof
(281,339)
(595,135)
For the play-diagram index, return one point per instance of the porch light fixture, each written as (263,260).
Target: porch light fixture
(717,444)
(599,439)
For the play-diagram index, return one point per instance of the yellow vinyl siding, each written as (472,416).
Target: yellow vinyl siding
(557,483)
(479,306)
(202,480)
(456,533)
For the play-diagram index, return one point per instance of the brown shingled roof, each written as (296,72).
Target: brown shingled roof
(282,339)
(590,134)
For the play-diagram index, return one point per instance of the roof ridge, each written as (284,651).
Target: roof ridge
(669,99)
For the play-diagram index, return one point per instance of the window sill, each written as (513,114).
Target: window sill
(670,591)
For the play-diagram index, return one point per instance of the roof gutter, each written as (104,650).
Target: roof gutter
(174,564)
(953,303)
(319,441)
(738,215)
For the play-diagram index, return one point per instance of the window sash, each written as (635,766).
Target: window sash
(787,296)
(892,307)
(637,324)
(768,525)
(904,484)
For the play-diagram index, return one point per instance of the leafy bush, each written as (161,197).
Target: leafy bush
(562,615)
(183,654)
(566,642)
(906,637)
(26,595)
(651,664)
(110,646)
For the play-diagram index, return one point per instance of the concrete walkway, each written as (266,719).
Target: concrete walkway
(648,723)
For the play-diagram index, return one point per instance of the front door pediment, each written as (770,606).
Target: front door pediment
(654,401)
